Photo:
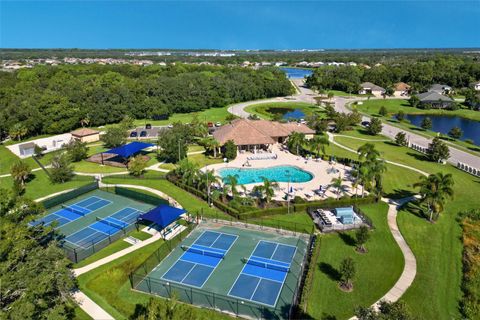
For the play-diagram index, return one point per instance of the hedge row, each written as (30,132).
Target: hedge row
(312,265)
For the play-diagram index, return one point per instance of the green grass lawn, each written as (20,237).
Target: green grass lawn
(195,148)
(202,160)
(80,314)
(109,286)
(302,219)
(260,109)
(7,158)
(437,246)
(377,270)
(39,184)
(209,115)
(90,167)
(189,202)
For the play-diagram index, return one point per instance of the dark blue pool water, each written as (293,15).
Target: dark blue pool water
(443,124)
(294,73)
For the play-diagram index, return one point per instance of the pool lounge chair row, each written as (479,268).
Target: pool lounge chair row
(263,156)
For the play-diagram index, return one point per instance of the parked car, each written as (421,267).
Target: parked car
(143,134)
(170,126)
(366,123)
(148,126)
(210,124)
(218,124)
(133,134)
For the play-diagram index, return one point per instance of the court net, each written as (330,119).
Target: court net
(266,265)
(118,225)
(203,252)
(79,212)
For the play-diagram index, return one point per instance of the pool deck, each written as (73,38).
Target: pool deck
(321,171)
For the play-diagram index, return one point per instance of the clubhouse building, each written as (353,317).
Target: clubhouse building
(253,135)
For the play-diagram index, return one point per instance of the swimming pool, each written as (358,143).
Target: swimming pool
(278,174)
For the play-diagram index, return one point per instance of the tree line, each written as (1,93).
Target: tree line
(47,100)
(455,71)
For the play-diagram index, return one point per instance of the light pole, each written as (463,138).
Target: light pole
(288,192)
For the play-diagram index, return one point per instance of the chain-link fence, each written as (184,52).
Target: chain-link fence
(64,197)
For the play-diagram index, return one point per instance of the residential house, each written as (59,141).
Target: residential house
(441,89)
(252,135)
(401,89)
(86,135)
(370,88)
(432,99)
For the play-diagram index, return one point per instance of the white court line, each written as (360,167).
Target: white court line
(283,244)
(228,249)
(162,277)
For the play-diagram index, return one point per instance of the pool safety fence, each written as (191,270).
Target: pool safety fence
(64,197)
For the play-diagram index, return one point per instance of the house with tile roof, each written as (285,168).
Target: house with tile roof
(371,88)
(432,99)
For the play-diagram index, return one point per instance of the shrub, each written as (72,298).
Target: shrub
(230,150)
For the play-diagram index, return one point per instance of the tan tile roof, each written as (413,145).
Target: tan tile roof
(401,86)
(83,132)
(250,132)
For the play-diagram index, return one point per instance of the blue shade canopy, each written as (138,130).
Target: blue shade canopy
(162,215)
(130,149)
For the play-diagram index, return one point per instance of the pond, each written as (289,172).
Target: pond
(443,124)
(287,113)
(295,73)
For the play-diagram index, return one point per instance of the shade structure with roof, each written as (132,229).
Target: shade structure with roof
(163,215)
(128,150)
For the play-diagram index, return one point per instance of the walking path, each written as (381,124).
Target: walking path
(331,139)
(33,170)
(116,255)
(90,307)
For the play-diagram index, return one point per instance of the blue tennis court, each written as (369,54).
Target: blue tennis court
(262,277)
(104,227)
(72,212)
(200,259)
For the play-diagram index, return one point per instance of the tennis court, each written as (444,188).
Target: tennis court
(264,273)
(246,272)
(92,220)
(200,259)
(72,212)
(103,228)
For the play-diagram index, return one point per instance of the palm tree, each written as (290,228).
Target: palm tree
(318,144)
(188,171)
(232,181)
(269,189)
(364,178)
(84,121)
(20,172)
(376,168)
(337,183)
(211,144)
(434,190)
(296,141)
(208,178)
(18,131)
(368,152)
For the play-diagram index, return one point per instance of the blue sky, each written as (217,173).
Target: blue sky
(239,25)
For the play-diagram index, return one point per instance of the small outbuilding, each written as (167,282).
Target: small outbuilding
(86,135)
(345,215)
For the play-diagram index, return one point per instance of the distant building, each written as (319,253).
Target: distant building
(86,135)
(370,88)
(48,144)
(441,89)
(435,100)
(401,89)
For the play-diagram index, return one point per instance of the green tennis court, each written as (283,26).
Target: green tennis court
(93,220)
(237,270)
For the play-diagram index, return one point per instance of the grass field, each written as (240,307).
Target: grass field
(437,246)
(260,109)
(154,180)
(7,158)
(377,270)
(39,184)
(209,115)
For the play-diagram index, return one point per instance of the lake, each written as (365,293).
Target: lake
(287,113)
(443,124)
(295,73)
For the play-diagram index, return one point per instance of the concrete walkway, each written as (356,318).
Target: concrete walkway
(331,139)
(116,255)
(90,307)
